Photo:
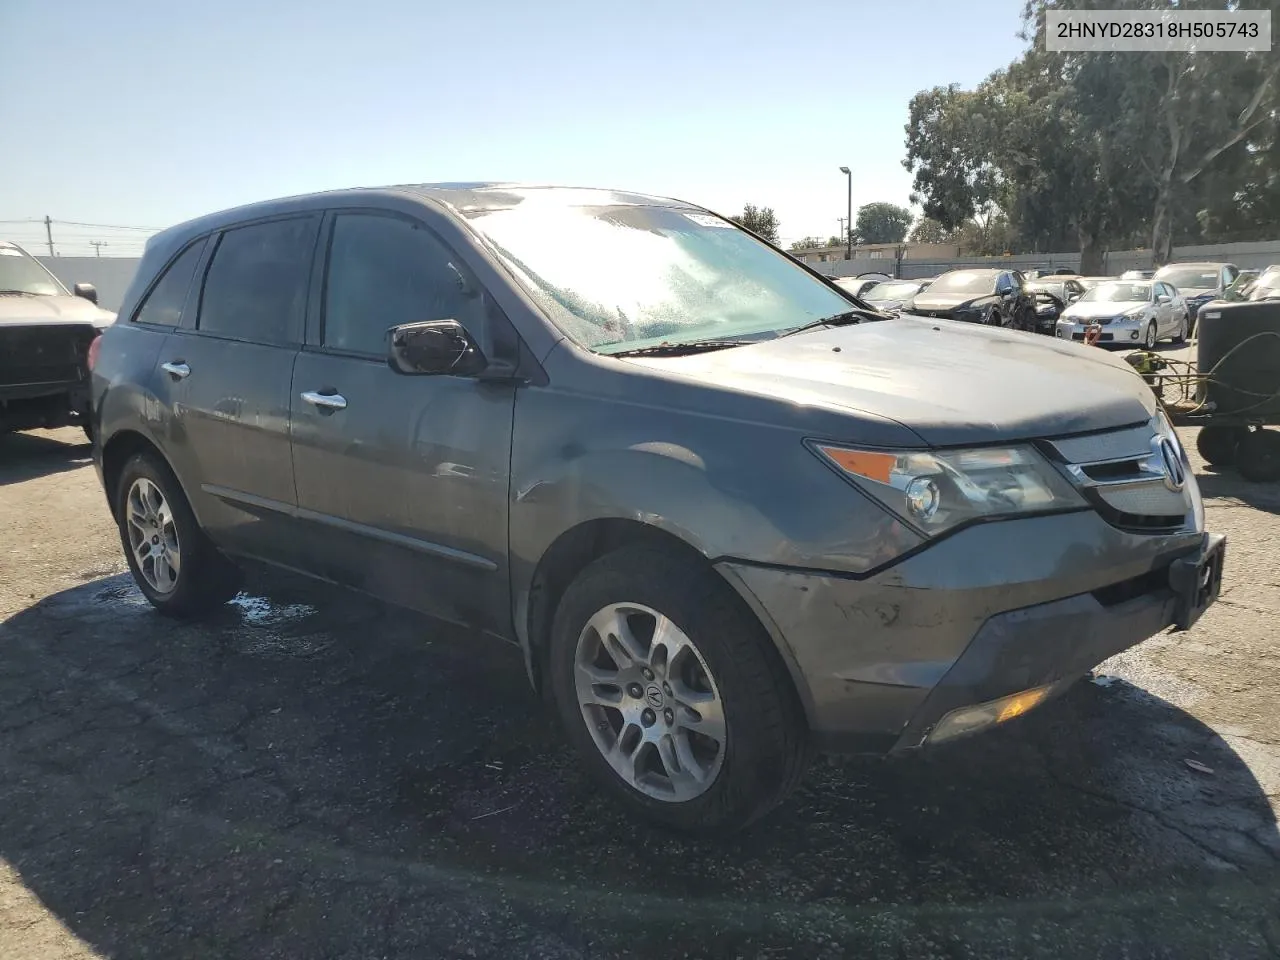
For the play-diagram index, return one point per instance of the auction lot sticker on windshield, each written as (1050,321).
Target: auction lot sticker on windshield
(1138,31)
(706,220)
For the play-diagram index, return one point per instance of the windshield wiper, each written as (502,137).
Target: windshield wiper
(20,293)
(681,349)
(836,320)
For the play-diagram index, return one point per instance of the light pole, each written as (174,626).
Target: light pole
(848,236)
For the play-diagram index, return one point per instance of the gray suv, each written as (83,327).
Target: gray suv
(728,513)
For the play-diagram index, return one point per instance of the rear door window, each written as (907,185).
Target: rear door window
(256,286)
(163,305)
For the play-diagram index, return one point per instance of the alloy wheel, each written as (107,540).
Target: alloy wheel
(1149,338)
(650,702)
(153,536)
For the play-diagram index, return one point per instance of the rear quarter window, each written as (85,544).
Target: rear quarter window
(162,306)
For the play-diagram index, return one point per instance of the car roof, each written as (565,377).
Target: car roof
(1197,263)
(466,198)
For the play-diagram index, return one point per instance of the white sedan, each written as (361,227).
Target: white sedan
(1130,312)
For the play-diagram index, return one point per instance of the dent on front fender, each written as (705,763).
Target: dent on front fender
(726,488)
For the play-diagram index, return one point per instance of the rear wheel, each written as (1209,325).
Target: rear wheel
(668,687)
(1218,444)
(1258,456)
(174,564)
(1183,328)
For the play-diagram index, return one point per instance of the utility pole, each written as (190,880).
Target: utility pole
(48,232)
(848,237)
(97,246)
(841,221)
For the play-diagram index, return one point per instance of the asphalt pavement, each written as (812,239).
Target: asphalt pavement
(313,775)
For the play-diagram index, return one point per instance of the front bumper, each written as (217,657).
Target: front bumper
(990,611)
(1126,333)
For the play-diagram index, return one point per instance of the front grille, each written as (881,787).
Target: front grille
(1127,477)
(44,354)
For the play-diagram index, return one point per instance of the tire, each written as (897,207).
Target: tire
(204,579)
(764,745)
(994,320)
(1258,456)
(1149,338)
(1184,329)
(1218,444)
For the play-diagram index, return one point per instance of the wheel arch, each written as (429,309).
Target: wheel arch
(116,452)
(567,556)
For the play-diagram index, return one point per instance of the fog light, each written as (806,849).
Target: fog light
(966,720)
(1133,335)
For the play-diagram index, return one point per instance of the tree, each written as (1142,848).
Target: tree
(882,223)
(808,243)
(1166,113)
(1095,148)
(930,231)
(759,220)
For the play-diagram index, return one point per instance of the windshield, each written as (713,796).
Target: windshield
(1193,278)
(21,273)
(622,275)
(972,282)
(891,291)
(1058,290)
(1118,292)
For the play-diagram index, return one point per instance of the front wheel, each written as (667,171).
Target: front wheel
(174,564)
(1149,337)
(667,685)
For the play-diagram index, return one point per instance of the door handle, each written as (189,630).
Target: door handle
(331,401)
(176,369)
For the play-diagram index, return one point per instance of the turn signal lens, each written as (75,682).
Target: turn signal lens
(92,358)
(966,720)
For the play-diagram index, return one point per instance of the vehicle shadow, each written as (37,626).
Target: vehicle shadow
(25,456)
(1226,484)
(309,774)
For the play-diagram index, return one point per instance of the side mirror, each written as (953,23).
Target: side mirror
(1163,298)
(434,347)
(88,291)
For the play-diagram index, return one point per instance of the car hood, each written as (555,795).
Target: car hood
(1193,293)
(950,383)
(948,302)
(22,310)
(1099,308)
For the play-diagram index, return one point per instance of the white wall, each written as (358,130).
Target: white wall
(111,275)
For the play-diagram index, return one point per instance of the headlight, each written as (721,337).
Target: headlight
(936,490)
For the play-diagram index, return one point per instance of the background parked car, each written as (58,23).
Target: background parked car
(860,284)
(45,334)
(892,295)
(1266,286)
(1137,275)
(1090,282)
(993,297)
(1052,295)
(1131,313)
(1198,283)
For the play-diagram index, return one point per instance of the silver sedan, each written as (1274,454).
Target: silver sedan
(1135,313)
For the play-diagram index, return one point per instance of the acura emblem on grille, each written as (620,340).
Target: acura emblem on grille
(1174,476)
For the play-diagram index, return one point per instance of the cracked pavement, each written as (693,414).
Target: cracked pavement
(313,775)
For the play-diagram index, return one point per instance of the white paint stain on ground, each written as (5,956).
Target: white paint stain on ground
(261,612)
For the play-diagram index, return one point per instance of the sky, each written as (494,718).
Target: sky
(139,113)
